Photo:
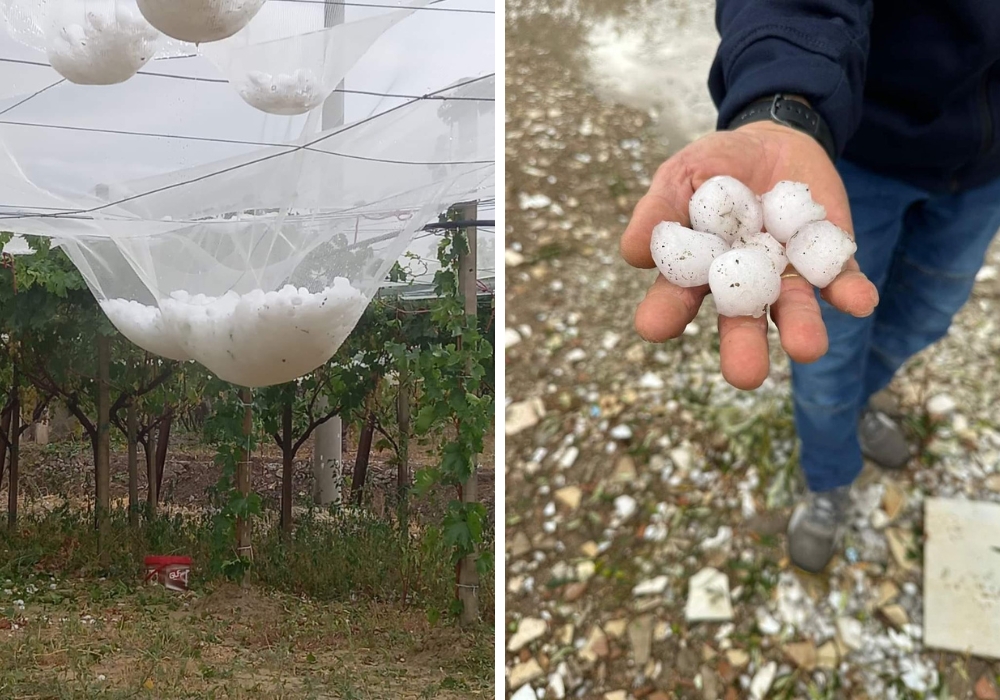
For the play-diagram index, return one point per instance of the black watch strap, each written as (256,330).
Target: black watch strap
(790,113)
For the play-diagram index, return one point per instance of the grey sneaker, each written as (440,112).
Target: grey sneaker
(815,528)
(882,440)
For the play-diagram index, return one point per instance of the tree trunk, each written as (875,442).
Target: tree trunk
(328,458)
(152,497)
(15,452)
(102,467)
(163,440)
(243,474)
(286,468)
(4,433)
(403,476)
(468,575)
(361,461)
(133,468)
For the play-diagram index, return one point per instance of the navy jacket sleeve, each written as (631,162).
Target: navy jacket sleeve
(814,48)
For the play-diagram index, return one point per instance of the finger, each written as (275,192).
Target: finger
(651,210)
(743,351)
(667,309)
(799,321)
(852,292)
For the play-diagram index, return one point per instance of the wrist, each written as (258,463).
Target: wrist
(791,112)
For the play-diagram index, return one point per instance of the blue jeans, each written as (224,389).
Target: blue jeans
(922,251)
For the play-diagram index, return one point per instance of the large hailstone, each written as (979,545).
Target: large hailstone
(787,208)
(683,256)
(744,283)
(819,252)
(99,47)
(765,243)
(725,207)
(199,21)
(284,93)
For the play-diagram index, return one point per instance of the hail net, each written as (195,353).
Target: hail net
(213,228)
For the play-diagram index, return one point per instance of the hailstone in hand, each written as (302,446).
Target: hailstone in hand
(683,256)
(725,207)
(765,243)
(787,208)
(744,282)
(819,251)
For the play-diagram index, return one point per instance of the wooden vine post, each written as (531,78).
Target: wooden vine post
(103,467)
(14,440)
(468,575)
(243,473)
(133,462)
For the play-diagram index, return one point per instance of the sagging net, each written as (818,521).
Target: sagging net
(247,241)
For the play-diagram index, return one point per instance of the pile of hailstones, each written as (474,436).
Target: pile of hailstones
(740,244)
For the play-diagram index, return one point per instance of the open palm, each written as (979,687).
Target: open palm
(760,155)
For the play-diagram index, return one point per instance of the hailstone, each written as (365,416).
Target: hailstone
(725,207)
(744,282)
(683,256)
(765,243)
(787,208)
(819,251)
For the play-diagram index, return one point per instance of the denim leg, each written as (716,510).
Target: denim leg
(933,272)
(829,393)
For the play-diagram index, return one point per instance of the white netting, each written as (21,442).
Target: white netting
(247,241)
(198,21)
(278,69)
(90,42)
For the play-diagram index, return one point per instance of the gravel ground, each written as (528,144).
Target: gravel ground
(634,473)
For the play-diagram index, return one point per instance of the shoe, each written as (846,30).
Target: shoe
(882,440)
(815,528)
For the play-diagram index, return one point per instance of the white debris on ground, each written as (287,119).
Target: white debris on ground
(254,339)
(705,474)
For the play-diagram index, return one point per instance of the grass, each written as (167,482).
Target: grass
(342,610)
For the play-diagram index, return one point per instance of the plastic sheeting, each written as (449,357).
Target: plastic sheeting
(246,241)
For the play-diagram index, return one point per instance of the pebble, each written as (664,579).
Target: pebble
(511,338)
(940,405)
(737,658)
(640,635)
(762,681)
(524,673)
(850,632)
(802,654)
(528,630)
(596,646)
(625,507)
(523,415)
(896,615)
(569,496)
(621,432)
(653,586)
(651,380)
(708,597)
(525,692)
(569,457)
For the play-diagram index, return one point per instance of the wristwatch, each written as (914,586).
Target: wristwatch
(790,113)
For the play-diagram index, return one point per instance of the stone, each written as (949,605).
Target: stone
(850,632)
(569,497)
(512,258)
(589,549)
(708,597)
(802,654)
(564,636)
(624,472)
(985,689)
(640,637)
(519,545)
(827,657)
(658,695)
(574,591)
(651,381)
(893,500)
(596,645)
(510,338)
(737,657)
(721,539)
(940,406)
(621,432)
(524,673)
(879,519)
(525,692)
(709,684)
(528,630)
(900,544)
(895,615)
(556,687)
(707,652)
(766,622)
(993,483)
(515,584)
(762,681)
(585,570)
(615,628)
(961,575)
(616,695)
(681,457)
(625,508)
(522,415)
(888,591)
(653,586)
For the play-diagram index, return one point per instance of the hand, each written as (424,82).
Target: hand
(760,155)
